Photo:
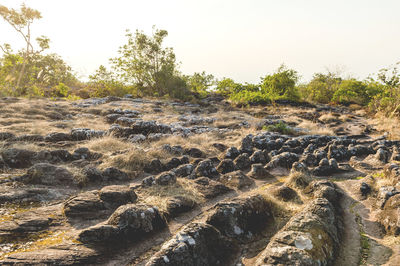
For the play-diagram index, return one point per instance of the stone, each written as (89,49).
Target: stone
(232,153)
(210,188)
(241,218)
(242,162)
(258,157)
(154,167)
(259,172)
(93,174)
(196,244)
(87,205)
(114,174)
(236,180)
(284,160)
(57,137)
(384,193)
(48,174)
(365,189)
(194,152)
(226,166)
(247,144)
(285,193)
(166,178)
(206,168)
(117,195)
(184,170)
(389,217)
(18,158)
(311,237)
(179,204)
(6,136)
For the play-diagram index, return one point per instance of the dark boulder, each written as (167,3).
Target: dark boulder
(259,172)
(114,174)
(206,168)
(242,162)
(48,174)
(117,195)
(236,180)
(195,244)
(18,158)
(242,218)
(226,166)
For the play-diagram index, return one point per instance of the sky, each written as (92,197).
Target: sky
(243,40)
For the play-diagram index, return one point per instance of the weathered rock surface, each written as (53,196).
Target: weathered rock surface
(241,218)
(196,244)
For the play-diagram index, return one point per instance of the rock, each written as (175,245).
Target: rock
(172,163)
(166,178)
(384,193)
(219,146)
(25,195)
(284,160)
(236,180)
(365,189)
(179,204)
(382,155)
(127,223)
(242,162)
(114,174)
(210,188)
(206,168)
(24,223)
(149,181)
(247,144)
(195,244)
(81,154)
(389,217)
(324,189)
(194,152)
(117,195)
(86,133)
(93,174)
(6,136)
(56,137)
(134,220)
(48,174)
(259,172)
(18,158)
(184,170)
(175,150)
(326,167)
(258,157)
(101,234)
(311,237)
(87,205)
(242,218)
(226,166)
(285,193)
(154,167)
(232,153)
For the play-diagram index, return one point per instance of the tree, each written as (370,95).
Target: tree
(21,21)
(143,61)
(281,84)
(322,87)
(200,83)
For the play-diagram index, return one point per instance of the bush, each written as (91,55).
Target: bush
(281,85)
(280,127)
(321,88)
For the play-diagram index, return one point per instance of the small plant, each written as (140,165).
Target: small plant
(280,127)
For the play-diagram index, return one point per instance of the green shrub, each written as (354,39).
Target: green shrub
(280,127)
(281,85)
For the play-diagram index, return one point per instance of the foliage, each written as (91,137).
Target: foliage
(321,88)
(280,127)
(281,84)
(146,64)
(355,91)
(200,83)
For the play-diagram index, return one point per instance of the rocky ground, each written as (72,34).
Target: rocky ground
(122,181)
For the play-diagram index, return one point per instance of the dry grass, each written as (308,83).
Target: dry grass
(108,144)
(328,118)
(315,128)
(156,195)
(391,125)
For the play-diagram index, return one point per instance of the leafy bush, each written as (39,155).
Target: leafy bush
(354,91)
(281,84)
(321,88)
(280,127)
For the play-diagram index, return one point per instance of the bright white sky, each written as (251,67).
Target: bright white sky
(243,40)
